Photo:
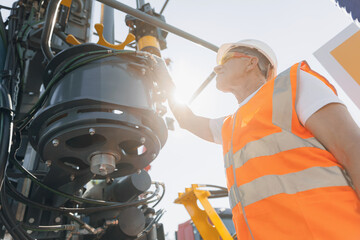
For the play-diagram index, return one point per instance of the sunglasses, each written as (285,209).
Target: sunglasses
(231,55)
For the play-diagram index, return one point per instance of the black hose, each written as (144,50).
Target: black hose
(222,192)
(50,228)
(5,139)
(19,232)
(6,130)
(213,186)
(18,196)
(162,195)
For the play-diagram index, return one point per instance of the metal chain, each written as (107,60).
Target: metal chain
(16,88)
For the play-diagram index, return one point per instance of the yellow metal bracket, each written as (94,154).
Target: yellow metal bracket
(207,221)
(66,3)
(99,27)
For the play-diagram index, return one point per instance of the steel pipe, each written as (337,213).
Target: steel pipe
(202,87)
(50,18)
(158,23)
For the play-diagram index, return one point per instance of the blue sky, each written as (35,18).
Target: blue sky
(294,29)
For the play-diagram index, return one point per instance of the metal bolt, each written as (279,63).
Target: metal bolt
(143,71)
(153,155)
(109,180)
(31,220)
(142,140)
(57,219)
(48,163)
(49,72)
(72,177)
(31,93)
(55,142)
(29,231)
(91,131)
(138,171)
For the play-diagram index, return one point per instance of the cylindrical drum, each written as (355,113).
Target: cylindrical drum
(100,116)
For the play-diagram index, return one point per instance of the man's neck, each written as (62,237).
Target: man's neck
(253,84)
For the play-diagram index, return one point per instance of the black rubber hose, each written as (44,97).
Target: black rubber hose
(18,196)
(18,231)
(5,137)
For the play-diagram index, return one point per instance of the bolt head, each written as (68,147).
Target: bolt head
(91,131)
(109,180)
(72,177)
(55,142)
(153,155)
(57,219)
(143,71)
(142,140)
(48,163)
(31,220)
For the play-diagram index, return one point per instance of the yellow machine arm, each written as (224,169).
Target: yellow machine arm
(207,221)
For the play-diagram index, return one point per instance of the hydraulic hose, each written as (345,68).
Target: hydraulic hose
(18,196)
(5,131)
(5,138)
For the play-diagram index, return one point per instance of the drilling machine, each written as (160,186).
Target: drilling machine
(74,112)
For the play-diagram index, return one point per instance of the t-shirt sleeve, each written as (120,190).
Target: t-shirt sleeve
(313,94)
(215,126)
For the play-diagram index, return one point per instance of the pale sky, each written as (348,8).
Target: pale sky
(295,29)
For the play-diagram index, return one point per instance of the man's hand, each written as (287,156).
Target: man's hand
(183,114)
(163,78)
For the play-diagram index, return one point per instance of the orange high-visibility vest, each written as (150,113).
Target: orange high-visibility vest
(282,182)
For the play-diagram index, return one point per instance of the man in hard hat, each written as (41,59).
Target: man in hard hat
(290,150)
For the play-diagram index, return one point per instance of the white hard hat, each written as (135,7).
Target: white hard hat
(260,46)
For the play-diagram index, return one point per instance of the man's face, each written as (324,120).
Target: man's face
(231,72)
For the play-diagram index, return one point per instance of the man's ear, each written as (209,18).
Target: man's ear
(252,63)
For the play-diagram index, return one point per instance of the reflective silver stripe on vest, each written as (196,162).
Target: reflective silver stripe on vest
(272,144)
(232,197)
(270,185)
(227,161)
(282,101)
